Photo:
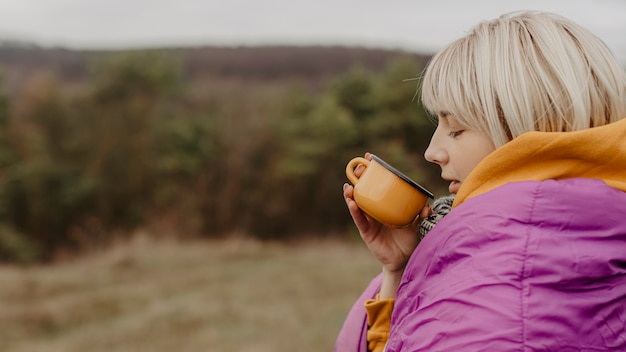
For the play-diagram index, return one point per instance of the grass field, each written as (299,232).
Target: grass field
(235,295)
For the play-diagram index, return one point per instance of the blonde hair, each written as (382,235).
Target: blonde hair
(529,71)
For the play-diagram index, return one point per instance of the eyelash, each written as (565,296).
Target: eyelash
(456,133)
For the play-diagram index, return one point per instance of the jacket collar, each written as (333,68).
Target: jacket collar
(598,152)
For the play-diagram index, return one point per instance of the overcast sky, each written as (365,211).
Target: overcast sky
(415,25)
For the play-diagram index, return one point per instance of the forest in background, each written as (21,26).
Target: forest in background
(196,142)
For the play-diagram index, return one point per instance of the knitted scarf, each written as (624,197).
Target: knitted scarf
(441,207)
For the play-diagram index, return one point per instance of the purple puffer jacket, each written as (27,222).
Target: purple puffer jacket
(529,266)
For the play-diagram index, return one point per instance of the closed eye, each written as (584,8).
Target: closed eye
(456,133)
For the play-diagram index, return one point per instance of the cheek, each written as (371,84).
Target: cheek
(466,168)
(476,157)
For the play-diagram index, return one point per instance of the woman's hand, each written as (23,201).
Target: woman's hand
(391,246)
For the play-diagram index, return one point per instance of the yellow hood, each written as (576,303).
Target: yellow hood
(598,152)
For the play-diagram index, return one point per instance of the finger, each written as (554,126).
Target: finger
(348,191)
(356,212)
(426,211)
(359,217)
(358,171)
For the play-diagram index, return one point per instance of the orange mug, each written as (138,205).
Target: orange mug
(385,193)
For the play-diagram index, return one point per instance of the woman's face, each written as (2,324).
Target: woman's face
(457,150)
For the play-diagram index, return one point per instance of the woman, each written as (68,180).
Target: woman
(532,137)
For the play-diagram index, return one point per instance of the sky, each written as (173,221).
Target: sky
(414,25)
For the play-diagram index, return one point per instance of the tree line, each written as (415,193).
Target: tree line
(142,144)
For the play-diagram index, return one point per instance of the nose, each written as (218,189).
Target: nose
(435,153)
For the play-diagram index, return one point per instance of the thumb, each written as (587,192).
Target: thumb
(424,213)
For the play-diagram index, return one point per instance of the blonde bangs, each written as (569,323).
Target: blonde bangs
(451,86)
(447,82)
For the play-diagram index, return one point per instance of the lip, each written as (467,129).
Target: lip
(454,183)
(454,186)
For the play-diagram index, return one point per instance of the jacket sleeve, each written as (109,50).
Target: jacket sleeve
(464,287)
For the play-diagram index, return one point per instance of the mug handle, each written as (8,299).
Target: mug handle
(353,164)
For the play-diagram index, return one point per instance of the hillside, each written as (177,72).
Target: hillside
(19,61)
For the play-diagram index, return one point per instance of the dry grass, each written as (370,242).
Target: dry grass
(237,295)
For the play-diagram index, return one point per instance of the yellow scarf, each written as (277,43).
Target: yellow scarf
(598,152)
